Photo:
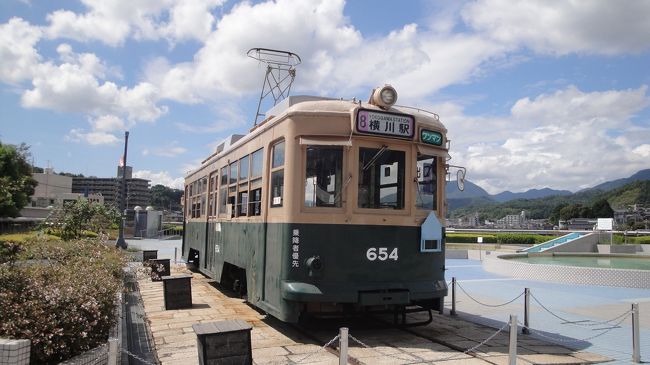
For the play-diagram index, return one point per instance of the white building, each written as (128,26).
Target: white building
(52,189)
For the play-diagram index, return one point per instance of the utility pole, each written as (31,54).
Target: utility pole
(121,243)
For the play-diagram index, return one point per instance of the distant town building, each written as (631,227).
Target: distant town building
(129,172)
(137,190)
(52,189)
(586,224)
(633,214)
(513,221)
(468,221)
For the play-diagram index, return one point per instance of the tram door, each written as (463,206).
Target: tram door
(211,234)
(210,240)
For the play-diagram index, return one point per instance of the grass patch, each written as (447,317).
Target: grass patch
(499,238)
(27,236)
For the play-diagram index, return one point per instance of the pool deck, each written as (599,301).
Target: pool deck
(587,304)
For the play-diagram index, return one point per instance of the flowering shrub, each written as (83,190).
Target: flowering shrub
(59,295)
(80,218)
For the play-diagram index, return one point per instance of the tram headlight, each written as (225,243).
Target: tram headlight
(384,97)
(315,265)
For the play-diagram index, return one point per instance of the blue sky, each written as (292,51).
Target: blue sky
(534,93)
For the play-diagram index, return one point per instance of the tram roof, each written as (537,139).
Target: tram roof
(316,105)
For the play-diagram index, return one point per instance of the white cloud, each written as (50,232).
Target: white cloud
(108,123)
(597,26)
(92,138)
(221,66)
(18,57)
(102,132)
(566,140)
(230,116)
(337,60)
(190,19)
(172,149)
(160,177)
(86,27)
(642,151)
(604,109)
(113,22)
(77,85)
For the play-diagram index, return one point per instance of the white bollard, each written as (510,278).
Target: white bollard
(636,348)
(175,255)
(512,355)
(113,351)
(343,346)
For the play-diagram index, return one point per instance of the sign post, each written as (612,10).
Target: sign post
(121,242)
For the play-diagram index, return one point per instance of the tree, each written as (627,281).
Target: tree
(575,211)
(72,218)
(16,181)
(602,209)
(555,213)
(163,197)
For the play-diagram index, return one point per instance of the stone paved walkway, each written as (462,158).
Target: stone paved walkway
(277,343)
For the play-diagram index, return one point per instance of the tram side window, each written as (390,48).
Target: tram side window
(381,178)
(223,191)
(255,196)
(204,189)
(232,189)
(242,203)
(425,197)
(255,204)
(242,195)
(323,178)
(257,161)
(212,197)
(277,175)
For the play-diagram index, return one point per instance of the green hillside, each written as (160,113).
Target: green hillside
(637,192)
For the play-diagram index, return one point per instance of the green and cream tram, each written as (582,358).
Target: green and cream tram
(326,206)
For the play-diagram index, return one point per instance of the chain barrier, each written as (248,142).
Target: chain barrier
(130,354)
(559,340)
(578,324)
(474,348)
(383,354)
(488,305)
(420,361)
(319,350)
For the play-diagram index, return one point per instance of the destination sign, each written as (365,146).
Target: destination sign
(386,124)
(431,137)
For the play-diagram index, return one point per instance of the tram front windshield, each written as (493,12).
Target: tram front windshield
(381,178)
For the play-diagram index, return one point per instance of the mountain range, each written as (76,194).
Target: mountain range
(475,196)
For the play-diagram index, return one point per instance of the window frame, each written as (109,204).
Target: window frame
(303,166)
(213,193)
(241,209)
(435,182)
(222,209)
(393,145)
(279,169)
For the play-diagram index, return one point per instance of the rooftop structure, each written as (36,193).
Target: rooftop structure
(52,189)
(137,190)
